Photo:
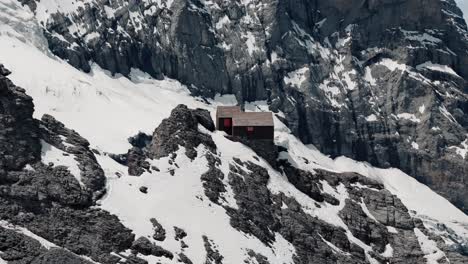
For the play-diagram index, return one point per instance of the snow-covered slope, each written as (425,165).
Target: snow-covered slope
(343,72)
(107,110)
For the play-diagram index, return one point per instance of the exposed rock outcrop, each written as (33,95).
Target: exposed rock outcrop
(19,133)
(144,246)
(56,134)
(18,248)
(181,129)
(212,254)
(159,231)
(213,180)
(179,233)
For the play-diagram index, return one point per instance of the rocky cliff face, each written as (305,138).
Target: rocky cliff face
(50,194)
(377,80)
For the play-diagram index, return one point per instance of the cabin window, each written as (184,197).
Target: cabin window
(250,130)
(227,122)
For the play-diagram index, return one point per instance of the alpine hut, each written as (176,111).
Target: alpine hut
(250,125)
(224,116)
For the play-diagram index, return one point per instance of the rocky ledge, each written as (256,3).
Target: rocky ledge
(181,129)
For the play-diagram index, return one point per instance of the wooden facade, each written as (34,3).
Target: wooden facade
(225,124)
(224,116)
(250,125)
(255,132)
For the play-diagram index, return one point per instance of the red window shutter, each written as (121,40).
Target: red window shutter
(227,122)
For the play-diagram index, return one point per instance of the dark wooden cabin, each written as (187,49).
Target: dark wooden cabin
(254,125)
(224,116)
(250,125)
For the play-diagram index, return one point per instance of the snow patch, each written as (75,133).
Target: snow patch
(371,118)
(331,91)
(222,22)
(422,37)
(422,109)
(368,76)
(333,247)
(250,42)
(461,150)
(447,114)
(297,77)
(51,154)
(45,8)
(392,230)
(437,67)
(350,84)
(392,65)
(366,210)
(410,117)
(388,253)
(429,247)
(91,36)
(28,167)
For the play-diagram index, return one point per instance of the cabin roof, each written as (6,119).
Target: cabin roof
(253,119)
(227,111)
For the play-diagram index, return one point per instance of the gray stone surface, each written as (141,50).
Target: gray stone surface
(179,233)
(144,246)
(180,129)
(69,141)
(20,249)
(212,254)
(159,231)
(184,259)
(19,134)
(213,180)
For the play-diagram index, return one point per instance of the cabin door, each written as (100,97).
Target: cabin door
(227,125)
(250,132)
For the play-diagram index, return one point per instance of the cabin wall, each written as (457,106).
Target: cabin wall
(260,132)
(220,125)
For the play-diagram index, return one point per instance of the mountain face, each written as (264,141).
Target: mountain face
(382,81)
(49,216)
(108,154)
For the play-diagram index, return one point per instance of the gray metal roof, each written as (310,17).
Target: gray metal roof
(253,119)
